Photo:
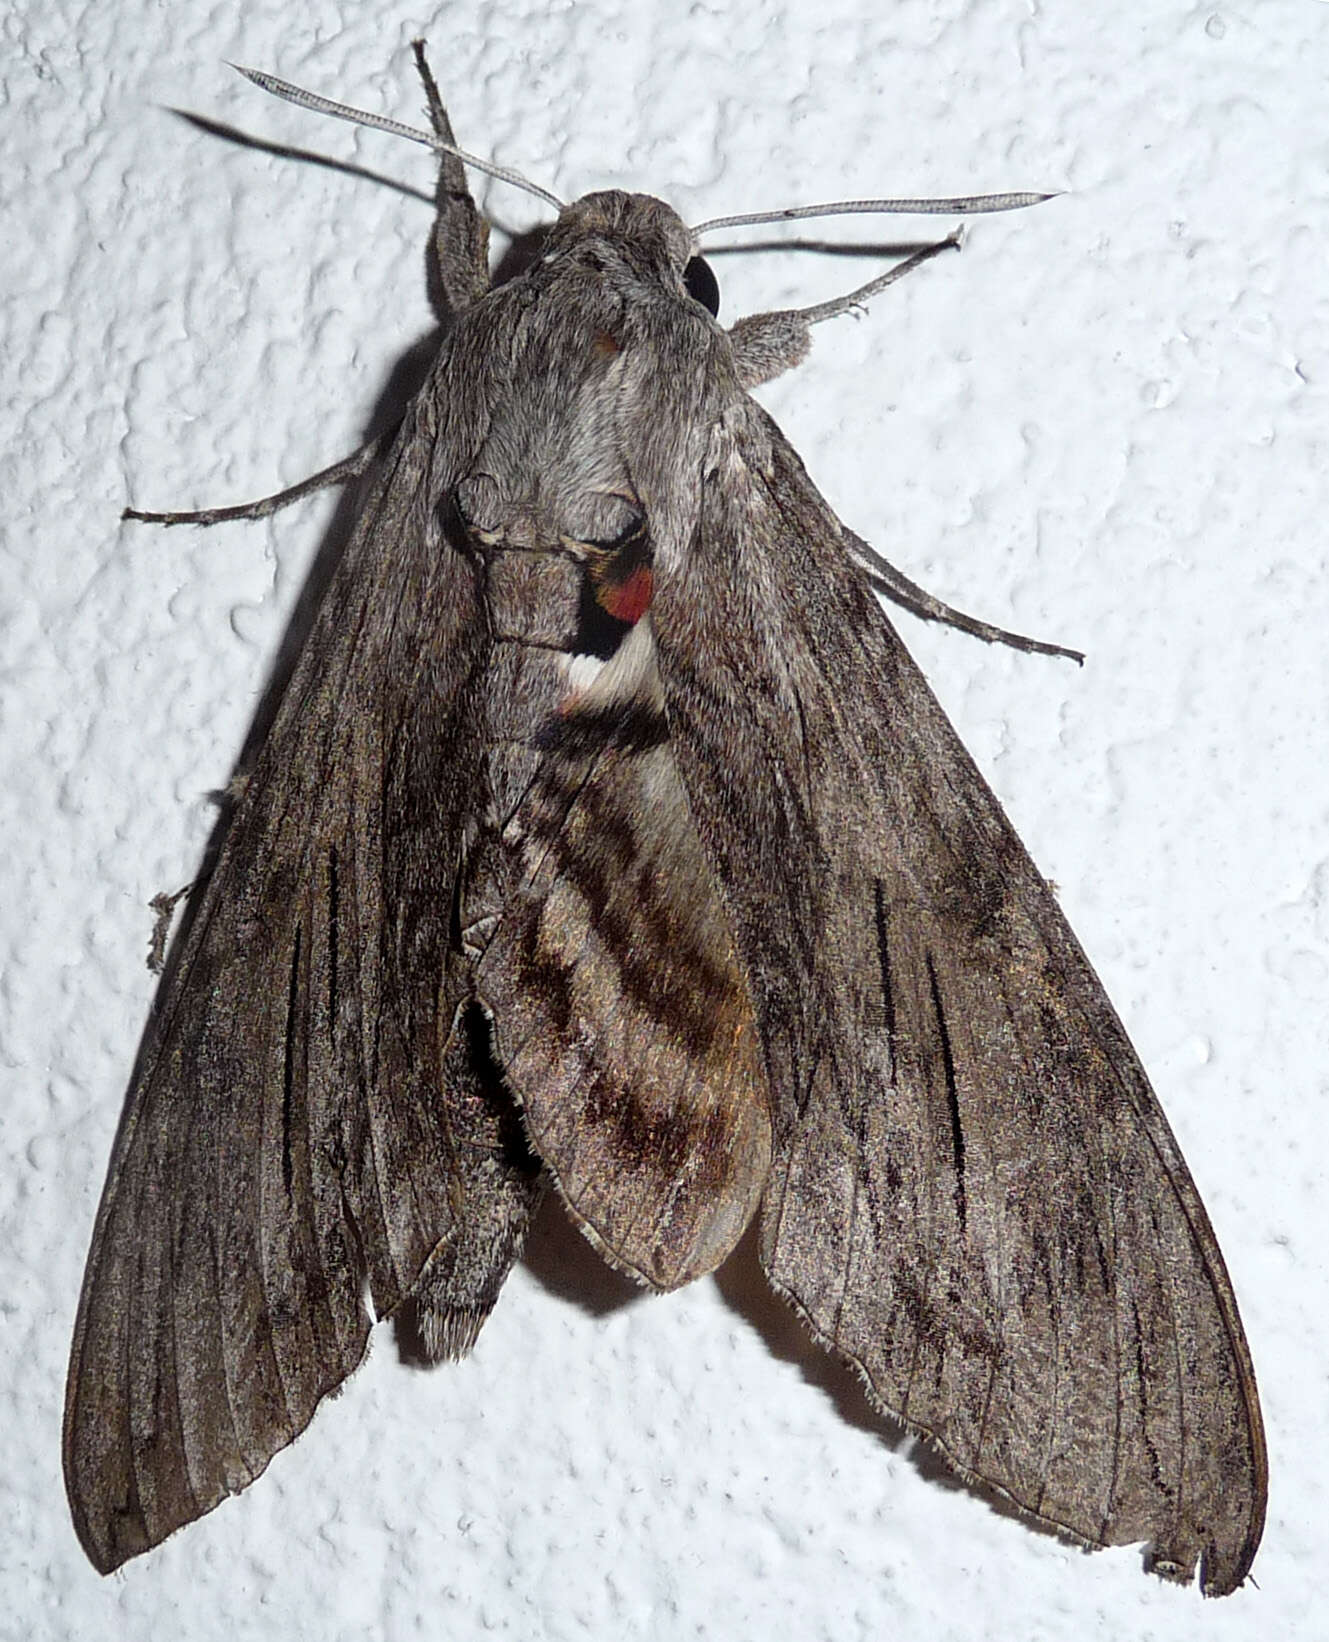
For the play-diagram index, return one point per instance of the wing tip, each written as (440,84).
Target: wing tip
(1220,1571)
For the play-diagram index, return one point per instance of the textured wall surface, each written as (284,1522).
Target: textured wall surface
(1104,423)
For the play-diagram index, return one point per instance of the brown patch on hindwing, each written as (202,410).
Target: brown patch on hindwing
(621,1017)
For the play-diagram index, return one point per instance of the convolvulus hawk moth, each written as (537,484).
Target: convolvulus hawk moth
(606,836)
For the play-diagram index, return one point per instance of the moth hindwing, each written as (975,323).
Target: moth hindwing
(605,835)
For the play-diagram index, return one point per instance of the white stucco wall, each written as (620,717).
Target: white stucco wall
(1104,423)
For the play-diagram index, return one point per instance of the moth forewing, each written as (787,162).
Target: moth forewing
(607,834)
(974,1194)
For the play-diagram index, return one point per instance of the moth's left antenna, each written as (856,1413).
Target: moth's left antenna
(394,128)
(956,206)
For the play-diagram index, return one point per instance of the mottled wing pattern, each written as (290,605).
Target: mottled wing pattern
(975,1196)
(292,1132)
(621,1016)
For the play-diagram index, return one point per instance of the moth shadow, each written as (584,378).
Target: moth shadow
(563,1262)
(306,156)
(891,249)
(744,1288)
(522,251)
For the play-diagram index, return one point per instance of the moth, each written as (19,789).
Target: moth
(606,840)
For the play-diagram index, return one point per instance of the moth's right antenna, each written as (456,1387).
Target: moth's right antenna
(394,128)
(970,204)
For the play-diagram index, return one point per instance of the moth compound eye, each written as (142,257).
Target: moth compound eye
(479,503)
(702,285)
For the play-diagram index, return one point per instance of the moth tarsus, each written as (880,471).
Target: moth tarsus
(163,906)
(341,472)
(897,587)
(606,835)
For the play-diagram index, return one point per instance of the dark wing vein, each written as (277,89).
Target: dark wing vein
(290,1130)
(1028,1200)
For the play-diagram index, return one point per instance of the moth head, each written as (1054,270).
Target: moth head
(650,234)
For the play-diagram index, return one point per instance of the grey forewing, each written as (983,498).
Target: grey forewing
(974,1195)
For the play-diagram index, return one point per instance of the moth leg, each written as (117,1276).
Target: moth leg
(767,345)
(164,906)
(460,240)
(340,473)
(919,602)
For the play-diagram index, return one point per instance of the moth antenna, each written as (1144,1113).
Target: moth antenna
(394,128)
(963,205)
